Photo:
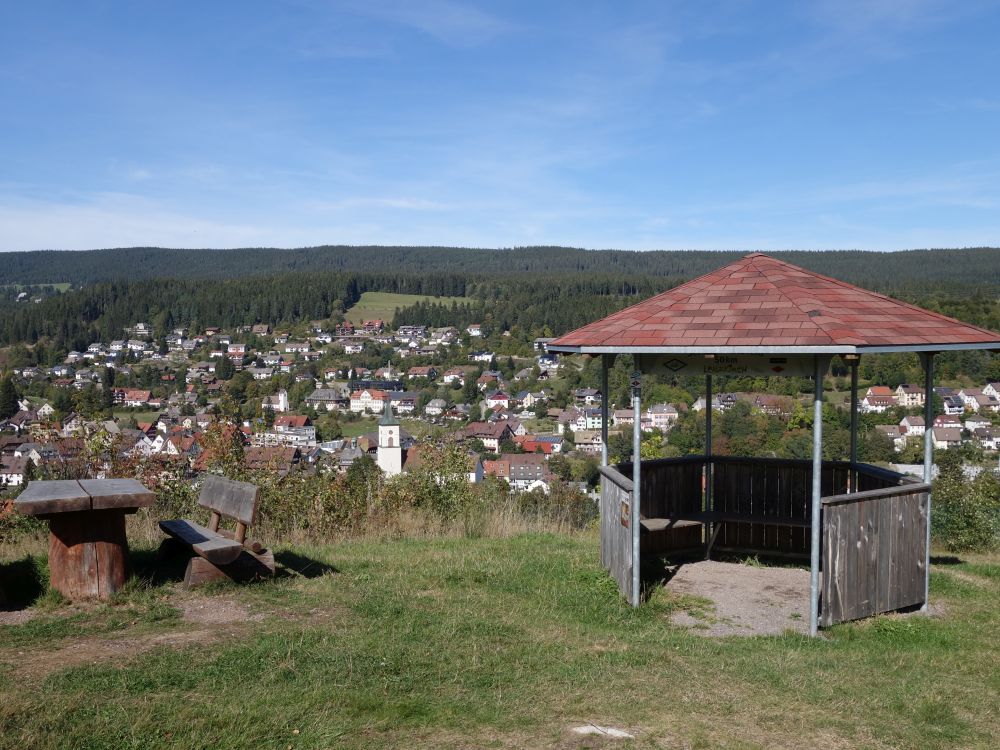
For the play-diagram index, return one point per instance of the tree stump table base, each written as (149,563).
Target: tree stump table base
(88,553)
(88,550)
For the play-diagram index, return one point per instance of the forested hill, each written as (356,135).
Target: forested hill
(913,268)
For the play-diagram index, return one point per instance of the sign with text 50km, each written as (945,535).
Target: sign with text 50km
(727,364)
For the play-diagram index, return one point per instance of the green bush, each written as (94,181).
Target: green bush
(965,515)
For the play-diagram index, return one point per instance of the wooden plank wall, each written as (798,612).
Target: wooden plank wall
(769,487)
(874,552)
(672,486)
(616,539)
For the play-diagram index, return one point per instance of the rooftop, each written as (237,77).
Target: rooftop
(759,304)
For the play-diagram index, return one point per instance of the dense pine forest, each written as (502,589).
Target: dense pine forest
(531,291)
(930,268)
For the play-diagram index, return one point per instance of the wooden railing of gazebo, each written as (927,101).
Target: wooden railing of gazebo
(873,539)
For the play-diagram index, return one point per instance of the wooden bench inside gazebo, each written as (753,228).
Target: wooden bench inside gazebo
(865,530)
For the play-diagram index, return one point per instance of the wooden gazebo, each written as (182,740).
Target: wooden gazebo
(866,530)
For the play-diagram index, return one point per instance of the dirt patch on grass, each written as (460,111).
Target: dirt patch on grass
(742,599)
(80,652)
(211,610)
(204,619)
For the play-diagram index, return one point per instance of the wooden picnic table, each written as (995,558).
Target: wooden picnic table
(88,551)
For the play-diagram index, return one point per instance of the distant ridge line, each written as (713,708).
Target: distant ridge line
(979,266)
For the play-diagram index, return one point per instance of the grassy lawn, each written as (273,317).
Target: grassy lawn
(124,415)
(359,428)
(382,305)
(480,643)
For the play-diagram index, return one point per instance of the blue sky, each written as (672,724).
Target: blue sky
(868,124)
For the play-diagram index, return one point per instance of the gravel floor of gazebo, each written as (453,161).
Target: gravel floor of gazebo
(742,599)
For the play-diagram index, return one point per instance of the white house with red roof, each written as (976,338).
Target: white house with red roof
(499,398)
(369,400)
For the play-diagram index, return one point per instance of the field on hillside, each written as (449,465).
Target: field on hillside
(476,642)
(359,428)
(59,286)
(124,415)
(382,305)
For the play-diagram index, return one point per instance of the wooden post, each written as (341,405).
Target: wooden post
(927,359)
(636,488)
(604,409)
(817,492)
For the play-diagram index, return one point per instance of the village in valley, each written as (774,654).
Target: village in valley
(319,397)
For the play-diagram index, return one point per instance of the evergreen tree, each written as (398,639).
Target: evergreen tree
(8,398)
(108,387)
(470,390)
(224,368)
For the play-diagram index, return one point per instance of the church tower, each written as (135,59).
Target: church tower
(390,450)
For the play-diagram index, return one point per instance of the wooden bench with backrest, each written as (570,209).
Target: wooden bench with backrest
(219,553)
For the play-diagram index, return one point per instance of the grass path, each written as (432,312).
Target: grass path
(481,643)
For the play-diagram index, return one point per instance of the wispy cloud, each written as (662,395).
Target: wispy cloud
(452,23)
(401,203)
(118,220)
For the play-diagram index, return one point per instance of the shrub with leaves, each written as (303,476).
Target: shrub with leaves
(965,515)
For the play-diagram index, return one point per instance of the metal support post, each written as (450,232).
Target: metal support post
(604,409)
(817,491)
(636,490)
(928,362)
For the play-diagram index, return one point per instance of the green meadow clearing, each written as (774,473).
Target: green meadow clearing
(59,286)
(493,643)
(383,305)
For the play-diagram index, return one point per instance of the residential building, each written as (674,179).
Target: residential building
(909,395)
(403,402)
(368,400)
(944,438)
(330,399)
(988,438)
(435,407)
(277,403)
(894,433)
(527,471)
(878,404)
(490,433)
(912,426)
(588,441)
(972,424)
(662,416)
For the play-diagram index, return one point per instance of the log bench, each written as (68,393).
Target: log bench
(220,554)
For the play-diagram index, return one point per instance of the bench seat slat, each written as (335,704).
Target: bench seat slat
(681,520)
(659,524)
(214,547)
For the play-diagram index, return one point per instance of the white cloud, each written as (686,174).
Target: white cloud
(118,220)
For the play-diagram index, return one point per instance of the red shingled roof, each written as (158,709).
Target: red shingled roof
(759,301)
